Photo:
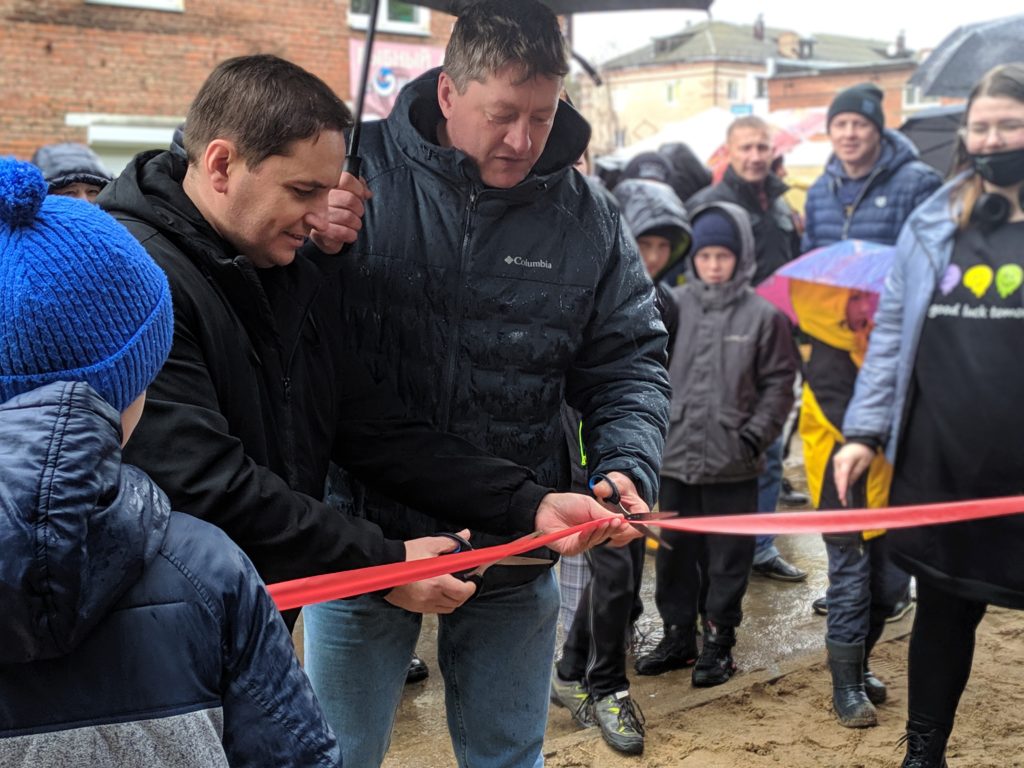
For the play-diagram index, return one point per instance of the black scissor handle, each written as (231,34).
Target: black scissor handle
(470,575)
(614,498)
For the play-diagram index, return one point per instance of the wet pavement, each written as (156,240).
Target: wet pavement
(778,628)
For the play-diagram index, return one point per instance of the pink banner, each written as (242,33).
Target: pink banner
(391,67)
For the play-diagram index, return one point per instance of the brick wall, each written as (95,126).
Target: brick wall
(67,56)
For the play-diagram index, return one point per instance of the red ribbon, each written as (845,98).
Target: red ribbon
(334,586)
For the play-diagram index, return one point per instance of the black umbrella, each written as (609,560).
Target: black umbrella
(969,52)
(934,133)
(455,7)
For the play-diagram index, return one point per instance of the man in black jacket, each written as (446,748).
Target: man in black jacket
(490,283)
(749,183)
(257,397)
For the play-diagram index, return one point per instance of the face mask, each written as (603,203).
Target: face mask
(1004,169)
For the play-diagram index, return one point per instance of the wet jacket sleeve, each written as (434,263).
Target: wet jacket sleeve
(869,416)
(435,472)
(191,454)
(777,365)
(619,382)
(271,716)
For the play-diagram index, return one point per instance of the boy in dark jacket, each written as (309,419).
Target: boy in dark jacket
(590,678)
(732,369)
(132,635)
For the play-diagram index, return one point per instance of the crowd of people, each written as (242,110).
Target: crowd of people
(235,364)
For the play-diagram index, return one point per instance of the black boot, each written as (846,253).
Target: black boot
(715,665)
(677,649)
(850,701)
(873,687)
(926,746)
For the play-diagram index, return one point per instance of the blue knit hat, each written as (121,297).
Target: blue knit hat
(713,227)
(81,300)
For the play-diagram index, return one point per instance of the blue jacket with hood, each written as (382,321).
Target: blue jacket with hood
(897,184)
(132,636)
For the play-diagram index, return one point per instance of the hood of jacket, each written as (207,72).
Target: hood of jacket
(76,526)
(150,190)
(725,293)
(897,151)
(413,124)
(648,205)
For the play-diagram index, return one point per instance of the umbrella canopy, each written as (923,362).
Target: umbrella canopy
(934,133)
(582,6)
(969,52)
(847,265)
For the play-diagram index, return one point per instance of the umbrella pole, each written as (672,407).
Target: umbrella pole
(352,161)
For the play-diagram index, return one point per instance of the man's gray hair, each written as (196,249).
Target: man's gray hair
(492,34)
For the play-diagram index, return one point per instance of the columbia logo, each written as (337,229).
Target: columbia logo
(519,261)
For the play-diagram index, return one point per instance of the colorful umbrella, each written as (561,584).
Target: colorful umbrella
(848,264)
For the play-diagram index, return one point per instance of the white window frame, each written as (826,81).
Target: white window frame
(916,100)
(173,6)
(420,27)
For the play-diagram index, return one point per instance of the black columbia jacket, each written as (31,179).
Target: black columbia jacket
(258,396)
(489,307)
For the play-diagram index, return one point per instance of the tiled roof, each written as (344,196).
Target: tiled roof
(722,41)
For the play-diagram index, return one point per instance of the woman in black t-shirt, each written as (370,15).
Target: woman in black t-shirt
(939,390)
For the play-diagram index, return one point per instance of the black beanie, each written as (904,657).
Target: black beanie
(864,99)
(715,227)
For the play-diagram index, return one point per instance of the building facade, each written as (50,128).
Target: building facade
(119,75)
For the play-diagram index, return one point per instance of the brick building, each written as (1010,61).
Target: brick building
(119,74)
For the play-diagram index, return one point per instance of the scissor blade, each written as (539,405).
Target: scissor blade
(644,517)
(522,560)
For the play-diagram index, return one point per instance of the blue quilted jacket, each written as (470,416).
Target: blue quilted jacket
(132,636)
(897,184)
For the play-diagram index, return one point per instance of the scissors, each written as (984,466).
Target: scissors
(476,575)
(635,518)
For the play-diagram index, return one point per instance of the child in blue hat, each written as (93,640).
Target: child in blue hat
(132,635)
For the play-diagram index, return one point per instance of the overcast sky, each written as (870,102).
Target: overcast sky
(599,36)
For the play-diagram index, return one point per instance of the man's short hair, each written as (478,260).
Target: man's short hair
(492,34)
(262,103)
(748,121)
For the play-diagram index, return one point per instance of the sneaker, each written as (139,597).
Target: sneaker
(676,650)
(901,609)
(417,671)
(574,696)
(621,722)
(715,664)
(777,568)
(820,606)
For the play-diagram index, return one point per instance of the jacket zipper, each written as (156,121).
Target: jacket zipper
(856,203)
(460,302)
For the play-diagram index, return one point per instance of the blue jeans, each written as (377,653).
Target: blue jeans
(863,586)
(769,485)
(495,653)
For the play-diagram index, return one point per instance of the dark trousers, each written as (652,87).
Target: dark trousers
(941,653)
(595,648)
(864,584)
(704,574)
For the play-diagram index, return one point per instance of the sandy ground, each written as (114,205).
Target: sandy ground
(764,719)
(777,710)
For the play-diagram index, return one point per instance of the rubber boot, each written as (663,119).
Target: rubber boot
(850,701)
(926,746)
(873,687)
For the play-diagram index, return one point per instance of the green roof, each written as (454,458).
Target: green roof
(722,41)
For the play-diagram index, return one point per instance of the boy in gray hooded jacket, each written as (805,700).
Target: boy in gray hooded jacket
(733,362)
